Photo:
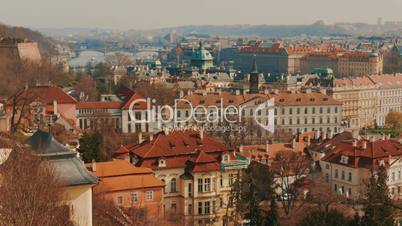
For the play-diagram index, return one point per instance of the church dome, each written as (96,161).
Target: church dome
(201,54)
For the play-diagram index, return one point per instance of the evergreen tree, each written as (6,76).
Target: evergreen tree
(90,147)
(378,209)
(323,218)
(355,220)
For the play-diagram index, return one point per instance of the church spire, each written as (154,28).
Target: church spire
(254,77)
(254,66)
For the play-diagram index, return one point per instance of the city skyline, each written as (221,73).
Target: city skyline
(141,14)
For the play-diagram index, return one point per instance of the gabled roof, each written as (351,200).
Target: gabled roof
(175,143)
(139,105)
(47,94)
(366,153)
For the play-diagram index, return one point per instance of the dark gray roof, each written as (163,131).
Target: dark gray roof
(45,143)
(72,171)
(65,162)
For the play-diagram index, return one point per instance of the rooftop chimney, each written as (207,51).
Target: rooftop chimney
(181,94)
(308,140)
(202,133)
(241,148)
(294,143)
(266,91)
(93,165)
(354,143)
(151,137)
(383,136)
(388,136)
(55,110)
(364,146)
(266,147)
(237,92)
(140,140)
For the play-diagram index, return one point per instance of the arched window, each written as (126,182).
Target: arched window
(173,185)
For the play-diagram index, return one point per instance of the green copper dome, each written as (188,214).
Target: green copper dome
(201,54)
(202,58)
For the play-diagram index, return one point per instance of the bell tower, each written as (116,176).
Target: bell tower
(254,77)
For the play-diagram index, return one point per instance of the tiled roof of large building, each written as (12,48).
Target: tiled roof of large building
(120,175)
(176,143)
(47,94)
(281,98)
(176,148)
(364,153)
(383,81)
(116,167)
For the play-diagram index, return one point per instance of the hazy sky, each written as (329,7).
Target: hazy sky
(143,14)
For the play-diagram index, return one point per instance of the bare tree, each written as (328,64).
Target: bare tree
(30,192)
(290,169)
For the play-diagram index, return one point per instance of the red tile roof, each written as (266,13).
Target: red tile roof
(177,147)
(139,105)
(367,156)
(116,167)
(47,94)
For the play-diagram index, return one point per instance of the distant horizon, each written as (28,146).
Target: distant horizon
(149,15)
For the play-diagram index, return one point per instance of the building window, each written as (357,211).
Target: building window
(207,184)
(150,195)
(290,111)
(336,173)
(200,185)
(173,185)
(335,188)
(199,208)
(190,209)
(350,176)
(207,208)
(134,197)
(190,190)
(298,110)
(119,200)
(137,127)
(305,110)
(138,116)
(326,177)
(231,179)
(350,191)
(173,206)
(343,175)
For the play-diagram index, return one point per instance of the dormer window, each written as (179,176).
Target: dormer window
(312,99)
(225,158)
(281,100)
(344,159)
(161,162)
(298,99)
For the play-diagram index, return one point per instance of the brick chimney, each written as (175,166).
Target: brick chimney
(202,133)
(55,107)
(93,165)
(140,140)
